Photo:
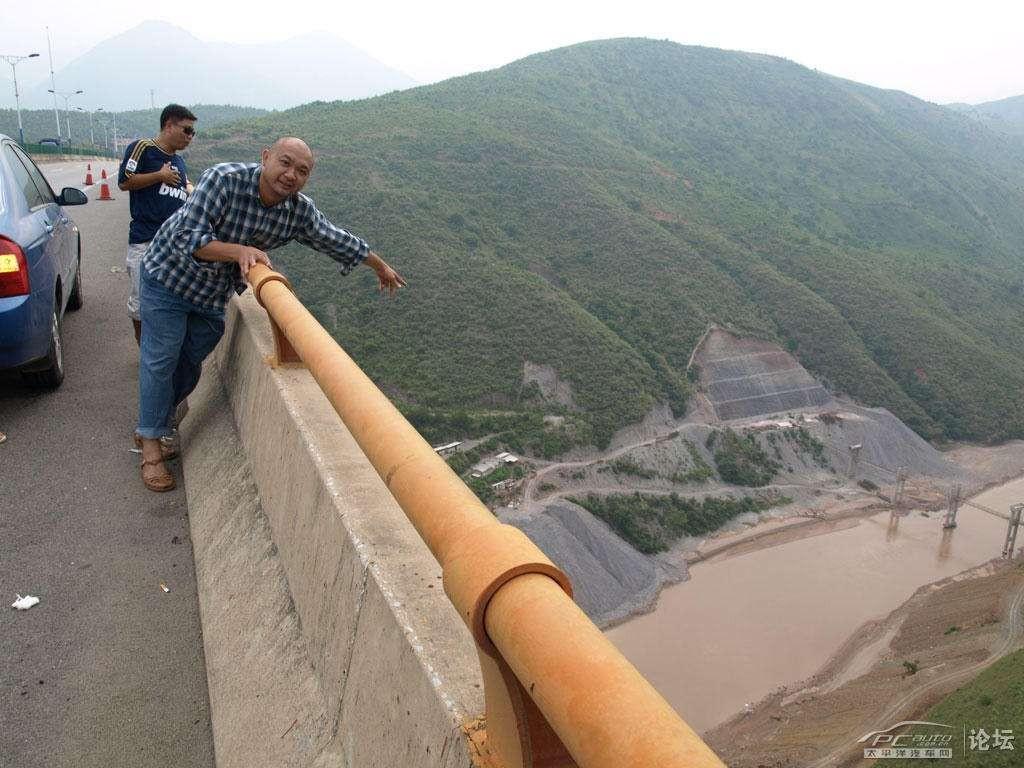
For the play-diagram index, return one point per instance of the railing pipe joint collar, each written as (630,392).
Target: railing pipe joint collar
(481,562)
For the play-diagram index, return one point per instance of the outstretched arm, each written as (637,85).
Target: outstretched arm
(387,279)
(347,249)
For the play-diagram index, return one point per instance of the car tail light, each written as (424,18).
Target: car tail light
(13,269)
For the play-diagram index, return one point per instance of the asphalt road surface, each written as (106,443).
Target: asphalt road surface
(107,670)
(72,174)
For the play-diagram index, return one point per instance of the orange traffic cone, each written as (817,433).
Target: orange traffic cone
(88,178)
(105,191)
(103,173)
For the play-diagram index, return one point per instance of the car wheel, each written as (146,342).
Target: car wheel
(75,298)
(52,375)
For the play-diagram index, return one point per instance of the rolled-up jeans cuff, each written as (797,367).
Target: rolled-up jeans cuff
(154,433)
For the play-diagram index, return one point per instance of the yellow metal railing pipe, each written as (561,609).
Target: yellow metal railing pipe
(606,713)
(405,461)
(558,693)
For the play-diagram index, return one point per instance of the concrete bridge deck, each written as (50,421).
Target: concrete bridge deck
(250,663)
(108,669)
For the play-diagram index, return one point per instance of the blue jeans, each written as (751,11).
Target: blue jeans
(177,336)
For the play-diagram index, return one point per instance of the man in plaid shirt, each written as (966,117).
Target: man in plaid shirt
(200,256)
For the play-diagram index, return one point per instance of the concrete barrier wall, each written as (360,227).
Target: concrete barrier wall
(328,637)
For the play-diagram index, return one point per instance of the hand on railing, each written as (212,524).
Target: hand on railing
(247,257)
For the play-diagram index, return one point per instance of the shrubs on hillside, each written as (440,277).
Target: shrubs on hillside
(653,523)
(521,432)
(741,460)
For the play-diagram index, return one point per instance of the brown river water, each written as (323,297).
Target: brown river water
(746,624)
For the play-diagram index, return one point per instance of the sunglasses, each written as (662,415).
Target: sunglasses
(189,130)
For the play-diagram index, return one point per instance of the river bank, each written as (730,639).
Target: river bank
(801,587)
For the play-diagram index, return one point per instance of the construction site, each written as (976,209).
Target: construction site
(785,631)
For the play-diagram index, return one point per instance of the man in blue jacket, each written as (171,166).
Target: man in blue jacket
(154,176)
(200,257)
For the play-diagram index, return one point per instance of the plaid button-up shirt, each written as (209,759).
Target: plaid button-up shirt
(226,206)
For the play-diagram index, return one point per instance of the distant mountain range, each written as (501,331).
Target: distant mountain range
(119,73)
(1005,115)
(591,211)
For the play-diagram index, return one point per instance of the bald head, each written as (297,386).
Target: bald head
(294,146)
(287,164)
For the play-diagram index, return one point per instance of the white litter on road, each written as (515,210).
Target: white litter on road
(24,603)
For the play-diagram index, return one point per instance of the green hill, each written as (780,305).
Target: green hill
(992,701)
(1005,115)
(594,208)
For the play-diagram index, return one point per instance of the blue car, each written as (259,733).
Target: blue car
(40,268)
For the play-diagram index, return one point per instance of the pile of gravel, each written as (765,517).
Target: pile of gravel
(887,442)
(611,580)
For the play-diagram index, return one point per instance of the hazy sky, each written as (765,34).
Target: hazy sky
(939,51)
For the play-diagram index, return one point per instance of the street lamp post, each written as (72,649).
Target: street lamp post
(104,127)
(92,137)
(13,61)
(113,118)
(66,95)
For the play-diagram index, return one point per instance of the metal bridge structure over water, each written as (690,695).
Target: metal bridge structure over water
(954,500)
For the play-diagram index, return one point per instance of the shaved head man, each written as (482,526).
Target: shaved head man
(287,164)
(200,257)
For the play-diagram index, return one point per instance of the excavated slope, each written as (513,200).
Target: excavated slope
(743,378)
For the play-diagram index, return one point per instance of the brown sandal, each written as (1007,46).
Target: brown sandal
(159,483)
(167,449)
